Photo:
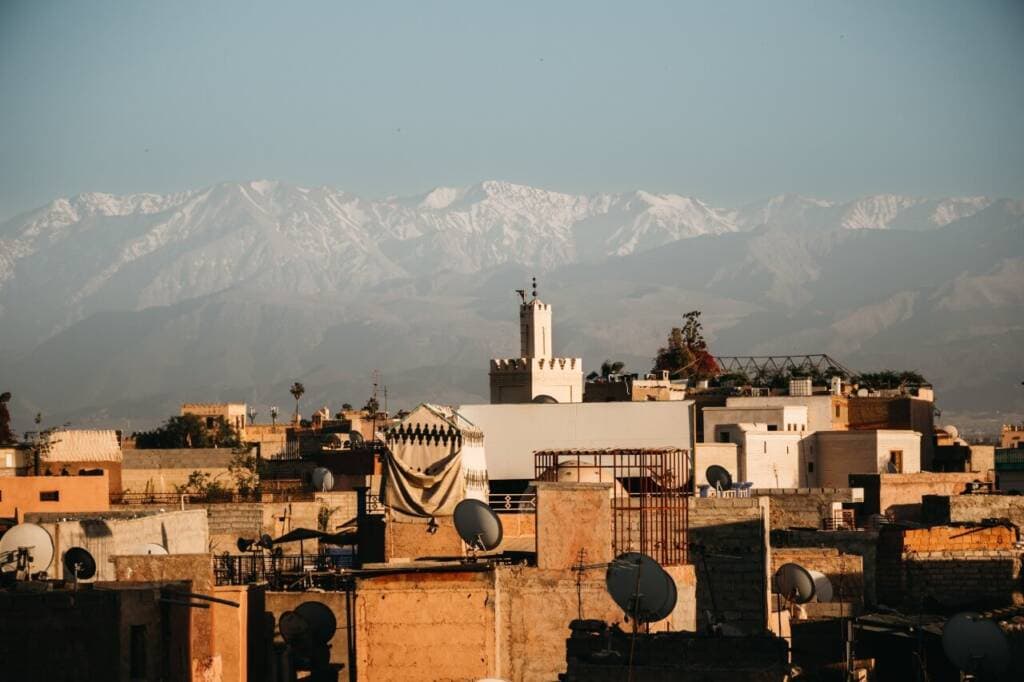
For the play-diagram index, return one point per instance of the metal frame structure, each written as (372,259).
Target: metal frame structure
(648,496)
(773,365)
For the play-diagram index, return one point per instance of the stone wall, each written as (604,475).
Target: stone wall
(945,509)
(802,507)
(732,557)
(858,543)
(900,495)
(406,538)
(571,517)
(844,571)
(949,567)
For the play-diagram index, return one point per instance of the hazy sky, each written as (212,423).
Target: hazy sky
(729,101)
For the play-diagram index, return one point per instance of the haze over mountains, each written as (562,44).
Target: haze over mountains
(114,309)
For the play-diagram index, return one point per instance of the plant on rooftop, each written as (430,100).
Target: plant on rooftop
(201,483)
(686,354)
(888,378)
(190,431)
(243,470)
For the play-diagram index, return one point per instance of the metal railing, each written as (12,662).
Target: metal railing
(279,571)
(211,498)
(513,503)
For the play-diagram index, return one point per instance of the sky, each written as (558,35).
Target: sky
(728,101)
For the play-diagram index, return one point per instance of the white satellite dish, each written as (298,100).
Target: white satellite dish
(149,548)
(641,587)
(477,525)
(27,547)
(800,585)
(976,645)
(323,479)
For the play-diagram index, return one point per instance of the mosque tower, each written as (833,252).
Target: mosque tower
(536,376)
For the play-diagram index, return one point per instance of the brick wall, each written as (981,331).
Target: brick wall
(900,495)
(732,558)
(845,571)
(944,509)
(861,543)
(949,566)
(228,522)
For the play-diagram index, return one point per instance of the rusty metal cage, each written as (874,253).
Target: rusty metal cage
(648,495)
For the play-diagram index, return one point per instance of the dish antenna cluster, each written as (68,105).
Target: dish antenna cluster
(477,525)
(26,550)
(323,479)
(307,631)
(976,645)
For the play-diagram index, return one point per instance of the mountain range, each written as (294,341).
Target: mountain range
(115,309)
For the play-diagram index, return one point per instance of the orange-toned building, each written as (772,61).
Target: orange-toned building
(83,452)
(20,495)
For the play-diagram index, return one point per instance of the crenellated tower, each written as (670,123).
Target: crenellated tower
(536,376)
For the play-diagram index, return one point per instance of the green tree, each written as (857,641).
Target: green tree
(243,469)
(190,431)
(608,368)
(297,390)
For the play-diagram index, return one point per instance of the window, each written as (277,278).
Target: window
(49,496)
(810,467)
(773,427)
(138,653)
(765,443)
(723,436)
(837,412)
(895,464)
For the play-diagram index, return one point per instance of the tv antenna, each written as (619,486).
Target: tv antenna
(26,550)
(79,562)
(977,646)
(478,526)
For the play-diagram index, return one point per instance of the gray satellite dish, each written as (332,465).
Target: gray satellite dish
(976,645)
(150,548)
(294,628)
(320,618)
(718,477)
(477,525)
(79,563)
(795,583)
(323,479)
(30,538)
(641,587)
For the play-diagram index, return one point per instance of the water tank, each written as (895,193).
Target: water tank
(800,387)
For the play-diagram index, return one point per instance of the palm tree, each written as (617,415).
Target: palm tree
(297,390)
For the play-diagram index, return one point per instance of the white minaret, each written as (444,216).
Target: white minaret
(536,375)
(534,327)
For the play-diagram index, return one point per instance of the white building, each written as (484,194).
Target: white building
(536,376)
(721,422)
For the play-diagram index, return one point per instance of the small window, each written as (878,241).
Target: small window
(837,412)
(765,443)
(723,436)
(773,427)
(810,467)
(49,496)
(895,464)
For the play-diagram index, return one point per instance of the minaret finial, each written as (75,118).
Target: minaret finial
(535,287)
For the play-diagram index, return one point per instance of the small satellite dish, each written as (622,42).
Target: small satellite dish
(79,563)
(477,525)
(151,548)
(822,587)
(976,645)
(355,437)
(323,479)
(266,541)
(34,540)
(244,545)
(718,477)
(641,587)
(795,583)
(320,619)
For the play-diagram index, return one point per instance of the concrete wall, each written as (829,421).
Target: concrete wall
(21,495)
(406,538)
(723,454)
(820,408)
(163,471)
(180,532)
(279,602)
(860,543)
(841,453)
(782,417)
(731,557)
(773,459)
(512,433)
(573,517)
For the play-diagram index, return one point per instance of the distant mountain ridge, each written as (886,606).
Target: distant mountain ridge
(149,298)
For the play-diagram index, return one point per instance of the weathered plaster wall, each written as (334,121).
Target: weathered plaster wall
(900,495)
(279,602)
(571,517)
(21,495)
(802,507)
(844,571)
(945,509)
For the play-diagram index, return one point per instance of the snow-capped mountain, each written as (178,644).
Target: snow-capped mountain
(147,298)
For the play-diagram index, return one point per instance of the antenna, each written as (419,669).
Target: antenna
(26,549)
(976,645)
(477,525)
(718,477)
(522,294)
(323,479)
(80,564)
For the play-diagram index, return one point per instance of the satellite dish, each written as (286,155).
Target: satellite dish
(355,437)
(34,540)
(477,525)
(320,619)
(976,645)
(294,628)
(822,586)
(244,545)
(718,477)
(79,563)
(641,587)
(795,583)
(323,479)
(266,541)
(151,548)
